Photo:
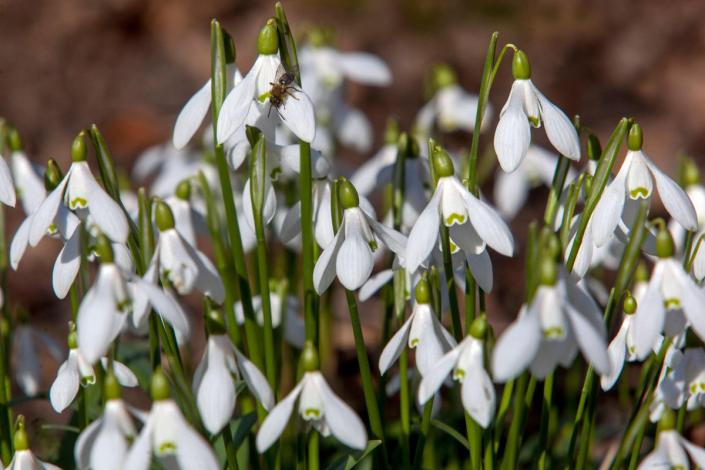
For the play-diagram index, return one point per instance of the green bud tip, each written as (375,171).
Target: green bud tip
(214,322)
(642,273)
(21,440)
(594,149)
(391,132)
(442,163)
(548,271)
(72,338)
(689,173)
(163,216)
(478,327)
(521,68)
(403,143)
(159,387)
(443,76)
(635,139)
(52,175)
(422,292)
(268,40)
(78,148)
(629,304)
(553,245)
(667,421)
(347,194)
(665,248)
(112,386)
(104,249)
(317,37)
(183,190)
(309,357)
(13,139)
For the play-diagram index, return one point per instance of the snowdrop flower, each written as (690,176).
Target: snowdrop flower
(180,205)
(670,292)
(685,382)
(109,435)
(473,224)
(561,318)
(672,450)
(296,110)
(28,181)
(421,331)
(24,458)
(319,406)
(26,361)
(167,435)
(451,108)
(77,371)
(213,384)
(466,363)
(635,181)
(696,193)
(350,254)
(104,309)
(623,346)
(286,310)
(79,191)
(527,107)
(183,265)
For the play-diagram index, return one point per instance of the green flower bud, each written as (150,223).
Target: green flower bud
(478,327)
(689,173)
(78,148)
(422,292)
(553,245)
(104,249)
(594,149)
(13,139)
(629,304)
(665,248)
(163,216)
(268,39)
(214,322)
(317,37)
(442,76)
(548,271)
(442,163)
(587,183)
(521,68)
(4,326)
(159,387)
(642,273)
(667,421)
(635,139)
(111,386)
(72,339)
(21,440)
(183,190)
(309,357)
(53,175)
(347,194)
(391,132)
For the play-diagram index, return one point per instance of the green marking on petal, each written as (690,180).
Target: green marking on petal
(702,386)
(78,203)
(639,192)
(275,173)
(167,447)
(554,332)
(52,229)
(632,349)
(414,342)
(453,247)
(693,388)
(125,305)
(672,303)
(455,218)
(312,413)
(458,374)
(373,245)
(264,97)
(88,380)
(534,121)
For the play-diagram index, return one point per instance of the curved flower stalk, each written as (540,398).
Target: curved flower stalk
(672,450)
(168,436)
(286,310)
(350,255)
(109,435)
(634,181)
(319,406)
(473,224)
(79,191)
(465,361)
(25,356)
(450,108)
(214,382)
(296,111)
(421,331)
(527,107)
(561,318)
(24,458)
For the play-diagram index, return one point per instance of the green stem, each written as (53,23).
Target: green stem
(450,284)
(313,453)
(554,195)
(230,449)
(423,436)
(309,293)
(474,441)
(404,405)
(543,447)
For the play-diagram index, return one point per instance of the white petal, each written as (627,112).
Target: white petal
(696,453)
(591,340)
(235,107)
(513,133)
(617,351)
(28,181)
(354,262)
(693,298)
(478,396)
(510,192)
(7,188)
(433,380)
(256,381)
(275,422)
(108,442)
(140,454)
(297,114)
(650,315)
(374,284)
(215,396)
(325,269)
(191,116)
(674,199)
(608,211)
(423,236)
(65,386)
(291,226)
(639,184)
(367,177)
(106,213)
(517,346)
(481,267)
(394,346)
(364,68)
(291,159)
(165,305)
(46,212)
(394,240)
(354,129)
(67,265)
(489,225)
(84,444)
(19,242)
(344,424)
(432,341)
(560,130)
(192,450)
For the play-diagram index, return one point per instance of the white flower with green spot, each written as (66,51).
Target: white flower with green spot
(672,450)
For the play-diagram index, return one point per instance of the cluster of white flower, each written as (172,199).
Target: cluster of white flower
(286,118)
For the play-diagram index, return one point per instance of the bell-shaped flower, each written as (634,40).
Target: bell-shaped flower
(79,191)
(527,107)
(267,84)
(24,458)
(672,450)
(635,181)
(109,435)
(473,223)
(213,383)
(421,331)
(28,181)
(27,362)
(184,213)
(76,371)
(696,193)
(465,361)
(283,310)
(168,436)
(320,407)
(561,318)
(623,346)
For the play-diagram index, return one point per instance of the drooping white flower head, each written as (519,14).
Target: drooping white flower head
(421,331)
(283,310)
(26,362)
(561,318)
(350,254)
(213,384)
(295,108)
(635,181)
(623,346)
(696,193)
(527,107)
(473,224)
(321,408)
(24,458)
(672,450)
(184,212)
(28,181)
(465,361)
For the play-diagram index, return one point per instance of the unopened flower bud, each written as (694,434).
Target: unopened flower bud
(309,357)
(478,327)
(689,173)
(78,148)
(112,386)
(422,292)
(442,76)
(635,139)
(667,421)
(391,132)
(642,273)
(21,440)
(665,248)
(13,139)
(347,194)
(183,190)
(268,40)
(629,304)
(521,68)
(163,216)
(548,271)
(442,163)
(159,387)
(53,175)
(72,339)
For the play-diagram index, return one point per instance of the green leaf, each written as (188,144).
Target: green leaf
(451,432)
(242,427)
(258,169)
(350,461)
